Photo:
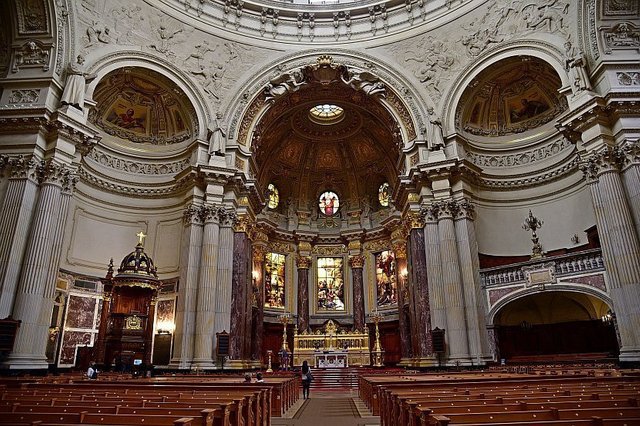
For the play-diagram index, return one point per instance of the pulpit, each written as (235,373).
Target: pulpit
(128,311)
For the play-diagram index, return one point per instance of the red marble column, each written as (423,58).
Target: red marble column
(239,280)
(419,280)
(400,251)
(303,263)
(357,265)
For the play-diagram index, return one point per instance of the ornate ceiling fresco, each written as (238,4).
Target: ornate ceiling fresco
(512,96)
(303,158)
(143,106)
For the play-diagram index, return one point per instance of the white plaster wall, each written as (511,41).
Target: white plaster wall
(499,225)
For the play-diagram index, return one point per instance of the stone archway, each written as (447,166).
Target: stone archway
(548,326)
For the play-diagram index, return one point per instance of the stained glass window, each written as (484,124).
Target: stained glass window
(330,284)
(274,281)
(274,196)
(384,194)
(386,284)
(329,203)
(326,114)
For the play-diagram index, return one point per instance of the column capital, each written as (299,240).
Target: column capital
(260,251)
(464,209)
(594,164)
(430,213)
(242,223)
(303,262)
(414,220)
(259,235)
(400,248)
(356,262)
(53,173)
(304,246)
(22,168)
(192,215)
(630,153)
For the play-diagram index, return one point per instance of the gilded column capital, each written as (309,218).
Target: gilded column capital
(192,215)
(304,246)
(356,262)
(259,236)
(414,220)
(260,251)
(594,164)
(303,262)
(243,224)
(354,245)
(400,248)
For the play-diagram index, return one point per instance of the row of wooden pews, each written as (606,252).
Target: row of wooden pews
(184,400)
(503,399)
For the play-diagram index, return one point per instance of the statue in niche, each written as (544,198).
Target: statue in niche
(366,210)
(217,136)
(575,66)
(434,131)
(288,82)
(292,216)
(365,82)
(76,81)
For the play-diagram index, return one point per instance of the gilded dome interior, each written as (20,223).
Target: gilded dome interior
(144,107)
(304,157)
(510,97)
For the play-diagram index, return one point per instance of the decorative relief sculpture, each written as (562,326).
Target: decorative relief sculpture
(364,81)
(75,86)
(623,36)
(30,55)
(24,96)
(575,66)
(620,7)
(629,78)
(288,82)
(210,78)
(32,16)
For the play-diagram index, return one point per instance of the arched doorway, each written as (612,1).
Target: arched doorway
(545,326)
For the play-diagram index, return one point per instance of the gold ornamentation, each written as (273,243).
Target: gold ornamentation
(239,164)
(377,245)
(356,262)
(304,246)
(242,224)
(133,322)
(414,220)
(413,197)
(400,249)
(141,236)
(303,262)
(329,250)
(354,245)
(279,247)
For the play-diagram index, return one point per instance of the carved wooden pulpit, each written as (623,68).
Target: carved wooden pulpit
(128,310)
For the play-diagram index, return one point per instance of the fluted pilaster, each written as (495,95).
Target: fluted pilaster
(630,151)
(434,268)
(225,273)
(190,256)
(29,348)
(16,213)
(456,333)
(620,245)
(207,282)
(474,300)
(303,264)
(357,265)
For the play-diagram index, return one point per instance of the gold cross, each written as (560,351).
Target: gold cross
(140,236)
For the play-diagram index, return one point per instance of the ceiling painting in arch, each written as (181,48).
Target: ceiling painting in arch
(509,97)
(144,107)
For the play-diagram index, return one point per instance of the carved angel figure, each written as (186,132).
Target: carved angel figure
(288,82)
(364,81)
(76,81)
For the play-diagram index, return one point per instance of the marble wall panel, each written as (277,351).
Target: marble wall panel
(71,340)
(81,312)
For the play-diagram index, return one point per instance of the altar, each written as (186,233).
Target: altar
(339,359)
(332,347)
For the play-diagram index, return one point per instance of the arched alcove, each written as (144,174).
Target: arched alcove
(554,323)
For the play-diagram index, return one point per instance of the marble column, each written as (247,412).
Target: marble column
(30,346)
(303,263)
(190,255)
(630,151)
(239,285)
(434,268)
(207,281)
(225,273)
(419,278)
(474,301)
(357,265)
(620,246)
(148,332)
(399,243)
(259,253)
(16,213)
(456,332)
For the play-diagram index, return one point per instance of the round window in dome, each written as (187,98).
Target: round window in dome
(273,196)
(384,194)
(329,203)
(326,114)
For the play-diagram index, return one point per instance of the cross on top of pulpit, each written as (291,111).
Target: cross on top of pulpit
(141,236)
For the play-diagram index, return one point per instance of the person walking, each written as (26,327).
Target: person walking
(306,379)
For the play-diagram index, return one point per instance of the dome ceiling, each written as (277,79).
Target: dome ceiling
(512,96)
(303,158)
(143,106)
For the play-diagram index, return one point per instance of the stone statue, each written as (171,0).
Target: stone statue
(288,82)
(575,66)
(217,136)
(365,82)
(77,79)
(434,131)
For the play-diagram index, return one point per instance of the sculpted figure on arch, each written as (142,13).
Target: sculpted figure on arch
(217,136)
(77,79)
